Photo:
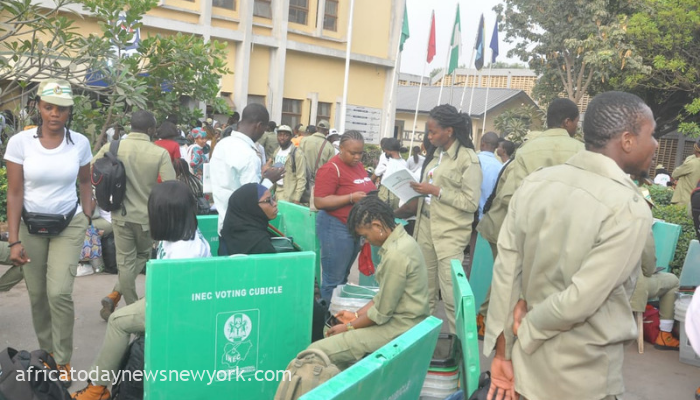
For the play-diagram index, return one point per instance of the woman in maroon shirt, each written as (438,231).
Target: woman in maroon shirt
(340,183)
(165,134)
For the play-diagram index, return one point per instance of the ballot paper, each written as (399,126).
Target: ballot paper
(399,183)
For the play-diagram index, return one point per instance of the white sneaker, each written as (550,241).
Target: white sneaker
(84,270)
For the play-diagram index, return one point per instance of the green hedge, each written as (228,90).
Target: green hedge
(675,214)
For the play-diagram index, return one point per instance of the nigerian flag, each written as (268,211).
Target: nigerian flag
(455,44)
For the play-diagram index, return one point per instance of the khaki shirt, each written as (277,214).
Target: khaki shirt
(269,142)
(551,147)
(402,300)
(294,182)
(570,244)
(311,145)
(640,295)
(143,163)
(688,175)
(451,215)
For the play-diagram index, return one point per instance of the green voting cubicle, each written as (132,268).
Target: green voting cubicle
(295,221)
(395,371)
(225,316)
(465,324)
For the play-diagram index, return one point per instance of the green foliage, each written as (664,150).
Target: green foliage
(666,34)
(572,45)
(516,123)
(660,195)
(3,194)
(370,157)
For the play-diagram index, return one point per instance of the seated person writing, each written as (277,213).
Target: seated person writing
(250,208)
(402,300)
(172,217)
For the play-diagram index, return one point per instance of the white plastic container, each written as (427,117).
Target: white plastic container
(687,354)
(353,304)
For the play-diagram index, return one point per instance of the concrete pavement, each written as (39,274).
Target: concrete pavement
(653,375)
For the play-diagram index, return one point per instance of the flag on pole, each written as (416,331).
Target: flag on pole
(431,40)
(405,34)
(494,42)
(455,44)
(479,45)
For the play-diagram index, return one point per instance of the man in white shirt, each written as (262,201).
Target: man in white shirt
(237,160)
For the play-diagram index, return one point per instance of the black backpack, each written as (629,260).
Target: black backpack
(109,179)
(131,389)
(30,376)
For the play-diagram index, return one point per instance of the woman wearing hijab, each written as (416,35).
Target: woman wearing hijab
(250,208)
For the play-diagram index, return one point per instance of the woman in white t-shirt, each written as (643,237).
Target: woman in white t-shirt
(172,218)
(43,165)
(392,149)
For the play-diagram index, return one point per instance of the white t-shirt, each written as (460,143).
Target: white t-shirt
(662,179)
(195,248)
(281,158)
(49,175)
(692,321)
(415,167)
(381,165)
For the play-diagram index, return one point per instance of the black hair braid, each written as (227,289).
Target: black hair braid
(40,122)
(369,209)
(351,135)
(447,116)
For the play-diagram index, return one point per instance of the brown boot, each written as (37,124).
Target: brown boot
(109,303)
(64,375)
(666,341)
(92,392)
(480,326)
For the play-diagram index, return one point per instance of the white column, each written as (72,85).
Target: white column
(343,113)
(313,111)
(278,58)
(392,74)
(242,68)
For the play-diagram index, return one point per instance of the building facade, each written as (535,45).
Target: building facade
(290,54)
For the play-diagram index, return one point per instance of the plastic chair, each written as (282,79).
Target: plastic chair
(465,324)
(482,271)
(666,239)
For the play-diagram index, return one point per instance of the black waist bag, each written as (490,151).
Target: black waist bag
(47,224)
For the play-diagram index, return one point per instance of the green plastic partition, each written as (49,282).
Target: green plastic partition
(224,327)
(666,239)
(209,226)
(395,371)
(299,223)
(482,271)
(465,323)
(690,274)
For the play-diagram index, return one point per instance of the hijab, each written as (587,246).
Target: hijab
(245,224)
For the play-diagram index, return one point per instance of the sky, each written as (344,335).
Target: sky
(419,11)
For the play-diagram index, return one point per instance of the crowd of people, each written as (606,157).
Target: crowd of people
(568,227)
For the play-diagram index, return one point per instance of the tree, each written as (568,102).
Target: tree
(515,124)
(572,45)
(667,36)
(158,72)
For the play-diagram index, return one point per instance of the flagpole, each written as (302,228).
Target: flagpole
(471,99)
(415,116)
(452,86)
(393,90)
(486,103)
(466,82)
(344,107)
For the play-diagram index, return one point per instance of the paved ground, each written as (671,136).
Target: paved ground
(653,375)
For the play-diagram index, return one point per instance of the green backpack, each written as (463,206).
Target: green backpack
(308,370)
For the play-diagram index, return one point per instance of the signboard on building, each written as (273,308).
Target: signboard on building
(366,120)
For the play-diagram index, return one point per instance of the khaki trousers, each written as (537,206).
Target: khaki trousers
(122,323)
(439,273)
(664,286)
(133,244)
(49,277)
(12,276)
(351,346)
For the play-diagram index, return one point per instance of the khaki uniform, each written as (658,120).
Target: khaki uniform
(143,162)
(269,142)
(444,227)
(400,304)
(311,145)
(294,179)
(571,247)
(545,149)
(652,284)
(687,175)
(12,276)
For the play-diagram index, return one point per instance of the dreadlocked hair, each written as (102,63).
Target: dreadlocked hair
(447,116)
(369,209)
(40,122)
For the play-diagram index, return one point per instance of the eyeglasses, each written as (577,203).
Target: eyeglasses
(269,200)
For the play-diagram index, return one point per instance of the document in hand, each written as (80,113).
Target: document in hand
(399,183)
